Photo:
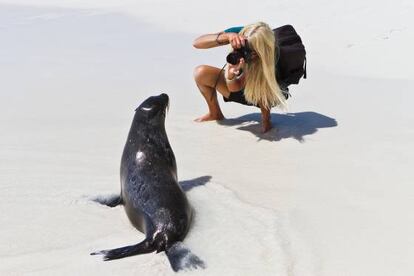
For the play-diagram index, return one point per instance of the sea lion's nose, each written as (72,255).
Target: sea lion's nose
(165,96)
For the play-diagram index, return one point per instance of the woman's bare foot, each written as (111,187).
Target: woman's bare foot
(209,117)
(266,125)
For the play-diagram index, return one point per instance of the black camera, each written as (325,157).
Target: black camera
(243,52)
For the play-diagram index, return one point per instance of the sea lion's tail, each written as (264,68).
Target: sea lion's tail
(122,252)
(181,258)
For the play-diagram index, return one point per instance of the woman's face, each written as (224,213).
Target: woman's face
(253,56)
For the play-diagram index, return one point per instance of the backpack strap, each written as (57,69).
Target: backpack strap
(277,54)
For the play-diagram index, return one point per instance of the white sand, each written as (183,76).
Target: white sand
(330,192)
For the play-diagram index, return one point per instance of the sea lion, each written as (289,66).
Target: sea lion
(153,200)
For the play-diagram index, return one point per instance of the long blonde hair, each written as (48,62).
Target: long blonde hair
(261,86)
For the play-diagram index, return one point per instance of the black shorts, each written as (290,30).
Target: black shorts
(237,97)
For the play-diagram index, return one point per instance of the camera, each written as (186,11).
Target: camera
(243,52)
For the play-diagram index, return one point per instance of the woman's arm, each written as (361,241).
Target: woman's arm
(210,40)
(222,38)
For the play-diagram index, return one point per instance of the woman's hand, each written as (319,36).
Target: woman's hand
(236,40)
(232,71)
(235,70)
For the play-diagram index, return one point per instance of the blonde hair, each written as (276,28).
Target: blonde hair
(261,86)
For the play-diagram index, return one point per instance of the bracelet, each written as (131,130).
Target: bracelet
(217,41)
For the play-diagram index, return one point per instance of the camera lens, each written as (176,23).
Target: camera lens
(234,57)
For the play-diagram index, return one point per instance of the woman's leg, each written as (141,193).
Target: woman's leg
(206,77)
(266,123)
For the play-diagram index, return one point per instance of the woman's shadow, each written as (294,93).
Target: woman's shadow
(290,125)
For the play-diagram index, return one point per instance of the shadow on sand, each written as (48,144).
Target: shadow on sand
(187,185)
(290,125)
(112,200)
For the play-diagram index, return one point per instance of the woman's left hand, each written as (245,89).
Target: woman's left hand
(235,70)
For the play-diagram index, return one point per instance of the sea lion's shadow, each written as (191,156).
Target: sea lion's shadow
(187,185)
(289,125)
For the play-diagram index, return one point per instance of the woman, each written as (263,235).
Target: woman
(250,82)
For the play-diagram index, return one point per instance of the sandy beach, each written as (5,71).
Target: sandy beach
(328,191)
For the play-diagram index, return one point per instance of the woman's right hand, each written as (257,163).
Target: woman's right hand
(236,40)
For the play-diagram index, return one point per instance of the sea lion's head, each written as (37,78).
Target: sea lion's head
(153,109)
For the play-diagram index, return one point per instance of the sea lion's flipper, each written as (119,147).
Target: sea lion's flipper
(122,252)
(187,185)
(181,258)
(110,200)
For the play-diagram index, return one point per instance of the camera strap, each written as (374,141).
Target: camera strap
(218,76)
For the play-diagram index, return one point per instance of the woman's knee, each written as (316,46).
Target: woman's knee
(200,73)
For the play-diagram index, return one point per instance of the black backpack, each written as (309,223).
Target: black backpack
(290,56)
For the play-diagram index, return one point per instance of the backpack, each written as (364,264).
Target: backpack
(290,56)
